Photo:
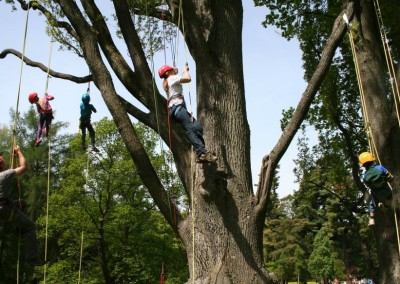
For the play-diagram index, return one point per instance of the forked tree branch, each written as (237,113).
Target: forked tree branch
(271,161)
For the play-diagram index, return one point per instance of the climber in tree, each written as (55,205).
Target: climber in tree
(46,114)
(85,123)
(376,178)
(14,211)
(172,84)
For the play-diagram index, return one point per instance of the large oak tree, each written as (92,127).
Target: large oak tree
(229,216)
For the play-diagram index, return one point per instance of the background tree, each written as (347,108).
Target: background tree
(125,238)
(32,186)
(322,262)
(335,114)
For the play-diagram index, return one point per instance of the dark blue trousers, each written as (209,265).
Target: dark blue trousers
(193,130)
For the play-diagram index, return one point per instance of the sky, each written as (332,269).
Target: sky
(272,69)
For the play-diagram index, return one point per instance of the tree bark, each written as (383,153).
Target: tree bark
(384,130)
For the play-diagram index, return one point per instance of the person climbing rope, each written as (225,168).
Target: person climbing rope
(14,211)
(86,113)
(46,114)
(172,85)
(376,178)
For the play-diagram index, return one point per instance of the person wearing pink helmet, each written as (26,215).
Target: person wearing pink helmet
(172,85)
(46,114)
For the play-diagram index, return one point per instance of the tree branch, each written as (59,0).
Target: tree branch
(50,18)
(271,161)
(136,52)
(44,68)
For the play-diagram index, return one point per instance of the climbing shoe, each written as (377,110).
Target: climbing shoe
(371,222)
(94,149)
(38,141)
(206,157)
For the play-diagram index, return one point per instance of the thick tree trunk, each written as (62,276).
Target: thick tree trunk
(224,243)
(384,128)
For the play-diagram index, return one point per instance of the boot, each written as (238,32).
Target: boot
(38,141)
(371,221)
(206,157)
(94,149)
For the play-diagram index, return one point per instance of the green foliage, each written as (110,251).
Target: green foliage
(321,263)
(286,239)
(101,196)
(97,201)
(32,185)
(328,196)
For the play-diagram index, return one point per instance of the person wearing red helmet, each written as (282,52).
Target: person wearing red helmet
(46,114)
(14,211)
(376,178)
(172,85)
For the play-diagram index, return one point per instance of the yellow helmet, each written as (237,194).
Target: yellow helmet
(366,157)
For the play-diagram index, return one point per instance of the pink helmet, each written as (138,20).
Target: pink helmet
(163,69)
(32,97)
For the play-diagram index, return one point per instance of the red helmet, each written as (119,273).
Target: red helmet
(163,69)
(32,97)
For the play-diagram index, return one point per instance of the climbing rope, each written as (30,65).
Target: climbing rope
(364,110)
(371,141)
(181,24)
(161,144)
(14,135)
(193,205)
(48,167)
(394,87)
(80,258)
(83,226)
(388,58)
(20,80)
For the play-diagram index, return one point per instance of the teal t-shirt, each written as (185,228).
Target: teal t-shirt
(86,111)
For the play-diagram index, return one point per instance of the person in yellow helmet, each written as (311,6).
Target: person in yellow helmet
(376,178)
